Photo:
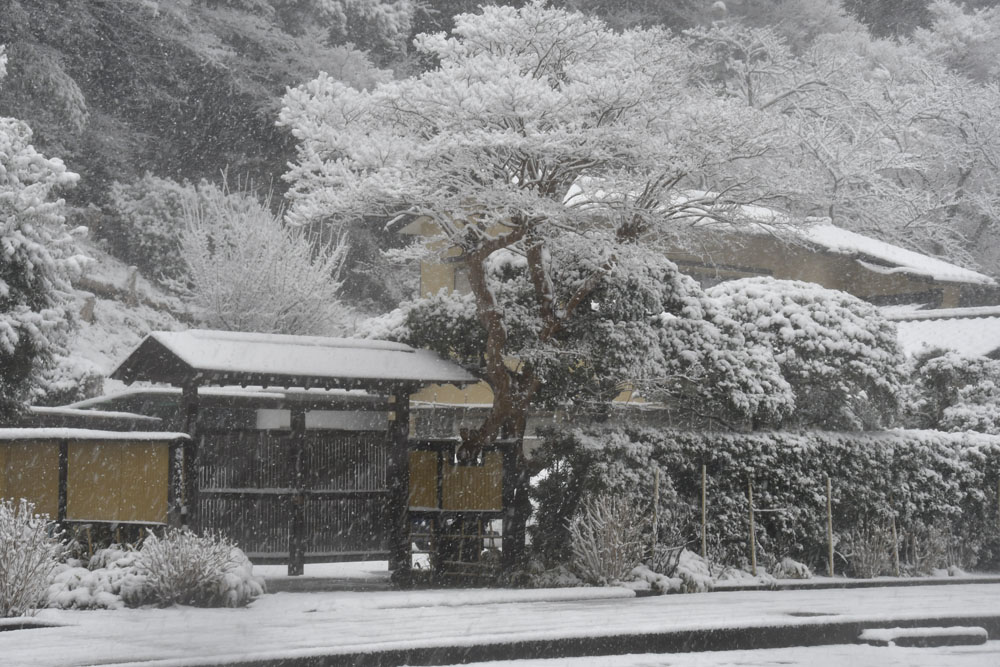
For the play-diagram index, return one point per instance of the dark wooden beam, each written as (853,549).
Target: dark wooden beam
(297,513)
(189,467)
(398,475)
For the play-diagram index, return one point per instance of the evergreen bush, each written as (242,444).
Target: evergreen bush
(927,481)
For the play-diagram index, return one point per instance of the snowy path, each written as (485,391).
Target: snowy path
(299,624)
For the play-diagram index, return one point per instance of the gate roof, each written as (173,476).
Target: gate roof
(205,357)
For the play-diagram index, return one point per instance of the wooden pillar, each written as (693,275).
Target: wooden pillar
(398,475)
(189,466)
(63,481)
(175,478)
(297,511)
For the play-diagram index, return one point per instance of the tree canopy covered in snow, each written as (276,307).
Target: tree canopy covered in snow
(37,260)
(489,145)
(249,272)
(840,356)
(952,392)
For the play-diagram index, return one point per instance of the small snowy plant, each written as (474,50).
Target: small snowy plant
(609,537)
(29,554)
(184,568)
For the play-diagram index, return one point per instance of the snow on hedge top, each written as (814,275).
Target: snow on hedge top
(214,356)
(968,331)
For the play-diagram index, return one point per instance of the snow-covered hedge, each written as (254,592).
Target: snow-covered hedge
(940,488)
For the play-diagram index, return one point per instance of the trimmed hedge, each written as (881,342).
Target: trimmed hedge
(937,486)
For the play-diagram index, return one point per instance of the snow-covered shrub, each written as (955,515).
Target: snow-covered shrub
(868,550)
(109,579)
(609,537)
(788,568)
(954,392)
(927,548)
(184,568)
(29,554)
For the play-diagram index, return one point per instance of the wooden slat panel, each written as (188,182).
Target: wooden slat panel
(93,489)
(345,525)
(143,476)
(258,524)
(31,471)
(117,481)
(474,488)
(423,479)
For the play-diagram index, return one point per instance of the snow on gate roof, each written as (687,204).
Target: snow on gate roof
(968,331)
(223,357)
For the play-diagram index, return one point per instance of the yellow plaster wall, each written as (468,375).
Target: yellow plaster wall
(30,470)
(117,481)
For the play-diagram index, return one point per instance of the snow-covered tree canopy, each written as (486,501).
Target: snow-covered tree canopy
(524,103)
(841,357)
(248,272)
(37,259)
(952,392)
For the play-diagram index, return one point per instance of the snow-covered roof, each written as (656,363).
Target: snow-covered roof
(874,255)
(968,331)
(86,434)
(223,357)
(76,411)
(883,257)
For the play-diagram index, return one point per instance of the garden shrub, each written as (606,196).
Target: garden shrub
(609,537)
(922,478)
(178,567)
(184,568)
(29,554)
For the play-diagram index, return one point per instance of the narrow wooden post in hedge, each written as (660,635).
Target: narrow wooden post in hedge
(753,536)
(704,514)
(829,524)
(656,510)
(895,547)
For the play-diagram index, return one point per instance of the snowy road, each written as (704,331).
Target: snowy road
(301,624)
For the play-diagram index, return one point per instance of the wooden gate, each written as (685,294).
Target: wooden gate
(247,490)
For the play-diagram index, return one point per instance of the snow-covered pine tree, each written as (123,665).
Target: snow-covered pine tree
(37,260)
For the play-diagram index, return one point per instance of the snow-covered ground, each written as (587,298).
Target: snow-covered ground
(308,624)
(986,655)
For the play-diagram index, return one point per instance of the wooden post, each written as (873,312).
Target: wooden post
(189,507)
(656,510)
(895,547)
(400,558)
(704,513)
(753,532)
(297,511)
(175,476)
(829,525)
